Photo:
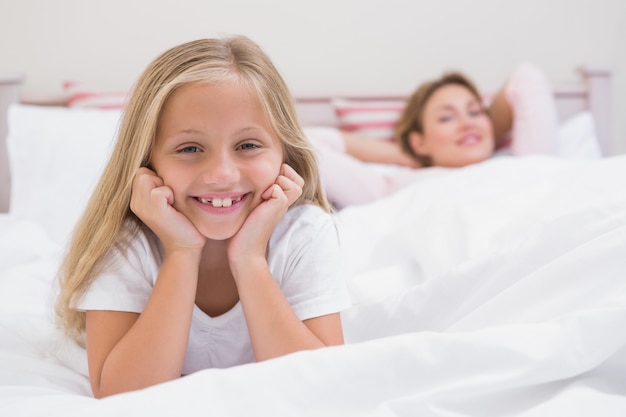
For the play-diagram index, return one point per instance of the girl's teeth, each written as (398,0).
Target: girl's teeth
(221,202)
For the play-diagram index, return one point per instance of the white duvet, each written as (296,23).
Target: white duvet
(493,290)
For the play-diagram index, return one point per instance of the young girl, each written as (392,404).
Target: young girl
(208,242)
(443,124)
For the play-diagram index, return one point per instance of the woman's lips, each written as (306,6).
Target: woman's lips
(469,140)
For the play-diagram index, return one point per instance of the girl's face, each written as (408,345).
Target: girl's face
(457,131)
(215,149)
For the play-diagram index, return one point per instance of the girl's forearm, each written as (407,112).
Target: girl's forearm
(154,348)
(274,328)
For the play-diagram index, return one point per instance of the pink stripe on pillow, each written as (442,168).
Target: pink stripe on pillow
(373,119)
(373,109)
(368,125)
(82,96)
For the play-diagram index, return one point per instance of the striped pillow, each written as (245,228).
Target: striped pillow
(79,95)
(373,119)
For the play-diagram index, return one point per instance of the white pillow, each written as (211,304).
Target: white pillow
(56,156)
(577,139)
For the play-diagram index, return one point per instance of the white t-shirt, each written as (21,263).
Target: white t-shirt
(303,257)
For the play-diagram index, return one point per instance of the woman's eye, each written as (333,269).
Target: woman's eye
(443,119)
(475,113)
(189,149)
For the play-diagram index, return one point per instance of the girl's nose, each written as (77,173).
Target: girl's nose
(221,169)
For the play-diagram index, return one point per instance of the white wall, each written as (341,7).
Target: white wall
(321,46)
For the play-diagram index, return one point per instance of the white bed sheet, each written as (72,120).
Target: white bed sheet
(493,290)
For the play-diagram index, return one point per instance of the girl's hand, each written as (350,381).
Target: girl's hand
(152,201)
(251,240)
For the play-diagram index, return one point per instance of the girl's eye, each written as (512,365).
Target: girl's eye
(444,119)
(189,149)
(248,146)
(475,113)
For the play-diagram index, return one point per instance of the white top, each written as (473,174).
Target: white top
(303,257)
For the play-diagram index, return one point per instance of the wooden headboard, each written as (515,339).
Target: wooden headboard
(593,93)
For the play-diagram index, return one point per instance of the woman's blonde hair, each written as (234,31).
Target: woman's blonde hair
(411,119)
(201,61)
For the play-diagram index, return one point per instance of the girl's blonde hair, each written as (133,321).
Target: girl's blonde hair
(235,58)
(412,120)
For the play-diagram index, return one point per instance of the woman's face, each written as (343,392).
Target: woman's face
(456,130)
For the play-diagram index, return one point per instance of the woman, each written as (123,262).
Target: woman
(444,124)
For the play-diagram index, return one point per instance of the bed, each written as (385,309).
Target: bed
(493,290)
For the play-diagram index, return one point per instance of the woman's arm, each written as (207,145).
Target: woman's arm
(526,106)
(347,180)
(377,151)
(501,115)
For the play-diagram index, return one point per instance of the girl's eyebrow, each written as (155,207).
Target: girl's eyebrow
(242,130)
(252,129)
(184,132)
(189,131)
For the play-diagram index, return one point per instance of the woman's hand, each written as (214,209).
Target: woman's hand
(152,201)
(404,159)
(251,240)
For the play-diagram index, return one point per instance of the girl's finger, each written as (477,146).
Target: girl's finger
(288,185)
(291,190)
(159,194)
(148,177)
(291,173)
(273,191)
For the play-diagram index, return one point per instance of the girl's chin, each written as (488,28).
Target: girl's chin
(218,233)
(218,238)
